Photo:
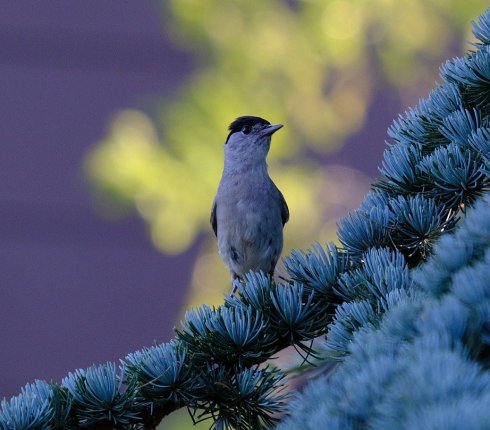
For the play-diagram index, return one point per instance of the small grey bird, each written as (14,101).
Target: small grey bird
(249,211)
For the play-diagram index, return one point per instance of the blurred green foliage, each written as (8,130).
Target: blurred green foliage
(312,65)
(180,420)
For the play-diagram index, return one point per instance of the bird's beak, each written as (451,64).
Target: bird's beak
(271,129)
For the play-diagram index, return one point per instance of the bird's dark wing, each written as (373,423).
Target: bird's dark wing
(284,210)
(284,205)
(213,220)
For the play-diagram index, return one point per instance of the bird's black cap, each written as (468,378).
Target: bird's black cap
(245,121)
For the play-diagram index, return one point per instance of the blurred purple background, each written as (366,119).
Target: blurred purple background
(76,289)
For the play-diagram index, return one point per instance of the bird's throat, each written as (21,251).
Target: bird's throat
(245,167)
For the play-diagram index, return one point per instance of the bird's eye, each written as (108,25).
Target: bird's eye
(246,129)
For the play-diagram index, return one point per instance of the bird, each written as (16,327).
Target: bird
(249,212)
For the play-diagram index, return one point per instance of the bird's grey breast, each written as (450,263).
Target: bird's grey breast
(249,220)
(249,201)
